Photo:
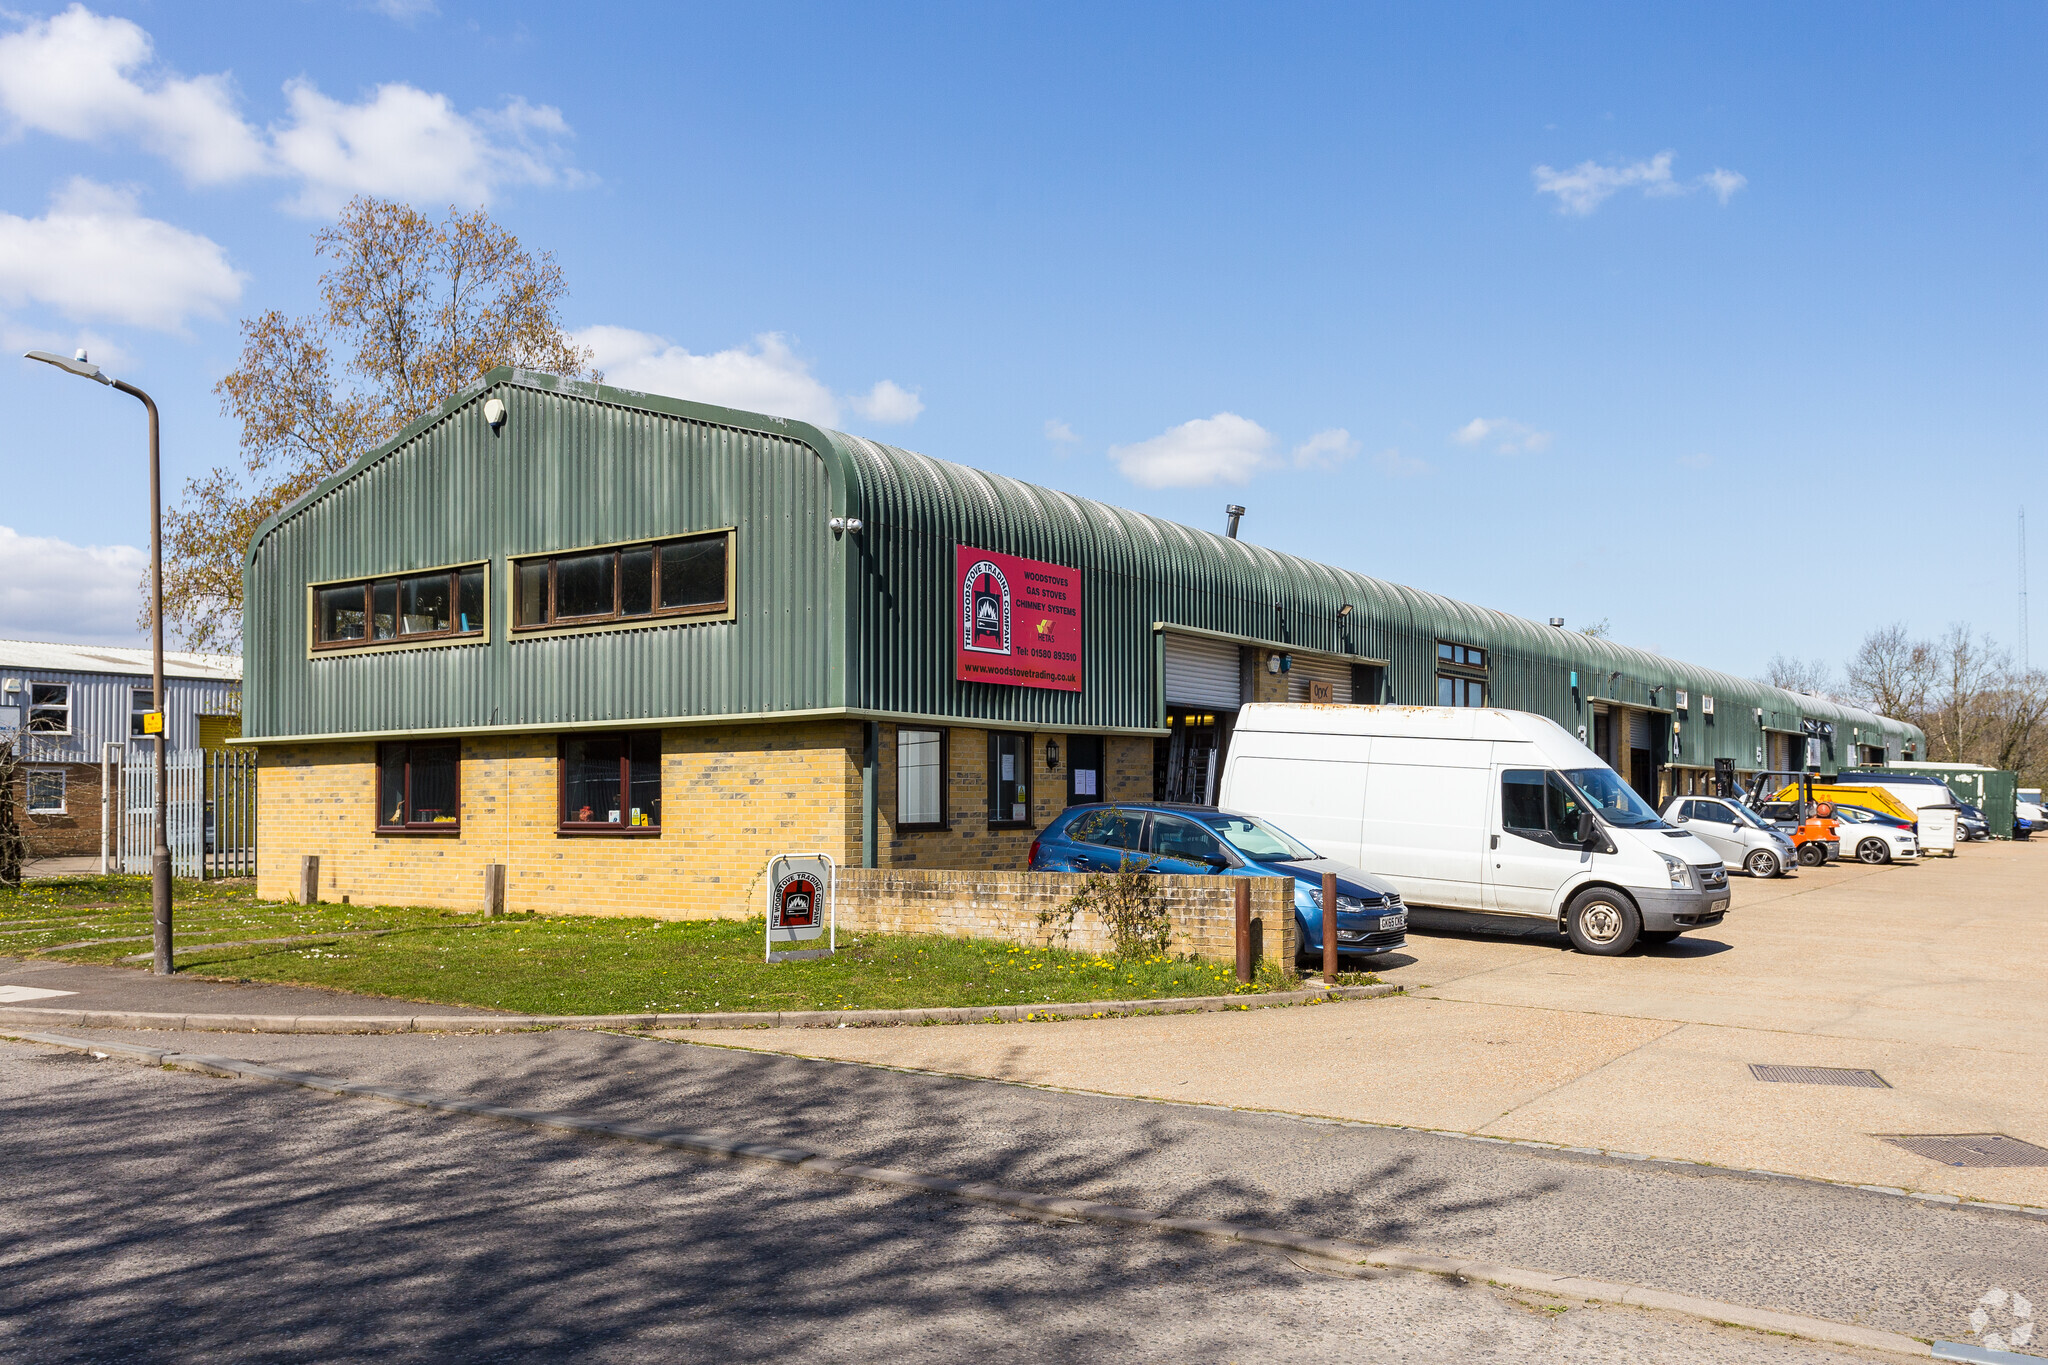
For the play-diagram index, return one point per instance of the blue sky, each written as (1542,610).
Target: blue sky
(1600,312)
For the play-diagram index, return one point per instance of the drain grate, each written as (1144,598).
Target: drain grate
(1973,1149)
(1819,1075)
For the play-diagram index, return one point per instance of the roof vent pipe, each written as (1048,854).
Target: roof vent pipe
(1233,511)
(1557,621)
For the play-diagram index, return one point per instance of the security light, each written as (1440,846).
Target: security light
(494,413)
(1343,611)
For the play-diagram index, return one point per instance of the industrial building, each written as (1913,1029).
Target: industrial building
(629,647)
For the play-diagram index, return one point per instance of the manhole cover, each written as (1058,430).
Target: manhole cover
(1974,1149)
(1818,1075)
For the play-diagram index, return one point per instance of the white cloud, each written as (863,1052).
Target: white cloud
(404,143)
(1059,433)
(1325,449)
(768,377)
(68,594)
(93,256)
(92,78)
(1505,436)
(1586,186)
(1723,183)
(83,76)
(1225,448)
(889,402)
(1395,465)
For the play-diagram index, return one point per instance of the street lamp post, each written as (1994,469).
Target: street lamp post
(160,855)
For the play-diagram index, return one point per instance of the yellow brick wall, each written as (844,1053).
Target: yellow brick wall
(968,842)
(732,797)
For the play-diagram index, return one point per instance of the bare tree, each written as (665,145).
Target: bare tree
(1800,675)
(1891,674)
(1966,669)
(414,310)
(13,844)
(1599,630)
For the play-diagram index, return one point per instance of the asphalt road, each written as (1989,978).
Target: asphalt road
(439,1184)
(154,1215)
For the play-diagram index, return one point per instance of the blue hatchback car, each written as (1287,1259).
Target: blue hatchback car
(1192,840)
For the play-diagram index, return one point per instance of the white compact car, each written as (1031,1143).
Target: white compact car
(1868,839)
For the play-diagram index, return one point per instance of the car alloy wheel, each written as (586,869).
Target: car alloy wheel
(1763,864)
(1873,851)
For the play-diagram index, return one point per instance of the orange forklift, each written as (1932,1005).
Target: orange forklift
(1809,824)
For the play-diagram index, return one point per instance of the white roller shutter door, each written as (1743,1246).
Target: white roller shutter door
(1306,669)
(1639,729)
(1201,672)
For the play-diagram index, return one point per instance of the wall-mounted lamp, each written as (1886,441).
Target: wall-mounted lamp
(843,524)
(1052,755)
(1344,611)
(494,415)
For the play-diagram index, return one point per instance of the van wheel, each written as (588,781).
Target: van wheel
(1763,864)
(1813,853)
(1603,923)
(1873,851)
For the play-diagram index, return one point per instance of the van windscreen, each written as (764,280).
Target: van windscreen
(1616,802)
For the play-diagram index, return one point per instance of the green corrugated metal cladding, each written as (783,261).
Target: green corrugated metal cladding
(855,623)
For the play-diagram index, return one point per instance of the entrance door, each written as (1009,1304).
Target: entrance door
(1085,783)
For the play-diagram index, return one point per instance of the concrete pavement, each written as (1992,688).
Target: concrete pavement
(1929,975)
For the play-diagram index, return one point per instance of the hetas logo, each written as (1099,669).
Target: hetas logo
(985,605)
(796,902)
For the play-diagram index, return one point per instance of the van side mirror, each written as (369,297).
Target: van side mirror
(1589,828)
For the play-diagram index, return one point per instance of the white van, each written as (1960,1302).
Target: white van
(1468,808)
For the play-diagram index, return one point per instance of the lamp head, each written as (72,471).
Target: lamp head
(77,365)
(1343,611)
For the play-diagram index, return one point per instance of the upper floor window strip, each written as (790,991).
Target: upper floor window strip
(646,581)
(444,604)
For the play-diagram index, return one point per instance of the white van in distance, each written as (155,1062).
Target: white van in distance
(1470,808)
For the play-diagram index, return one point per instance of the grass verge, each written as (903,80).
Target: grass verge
(572,964)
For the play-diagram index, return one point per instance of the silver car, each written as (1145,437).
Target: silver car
(1735,832)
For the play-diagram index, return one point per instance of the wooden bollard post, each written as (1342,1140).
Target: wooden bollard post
(1329,928)
(309,879)
(494,889)
(1243,892)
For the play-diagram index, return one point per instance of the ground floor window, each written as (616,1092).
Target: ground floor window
(46,791)
(419,786)
(611,784)
(920,779)
(1009,779)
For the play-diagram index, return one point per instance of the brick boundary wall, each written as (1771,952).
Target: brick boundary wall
(1006,906)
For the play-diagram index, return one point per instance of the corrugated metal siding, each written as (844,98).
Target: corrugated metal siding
(1201,671)
(101,704)
(569,470)
(862,621)
(1139,570)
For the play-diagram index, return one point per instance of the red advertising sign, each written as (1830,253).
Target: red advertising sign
(1015,621)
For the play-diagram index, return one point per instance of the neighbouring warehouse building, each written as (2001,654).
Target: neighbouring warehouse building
(630,647)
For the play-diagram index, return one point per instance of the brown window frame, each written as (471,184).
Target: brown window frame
(655,613)
(995,768)
(945,780)
(1460,656)
(404,638)
(410,826)
(604,829)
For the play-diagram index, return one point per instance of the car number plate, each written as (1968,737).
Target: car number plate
(1719,905)
(1391,922)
